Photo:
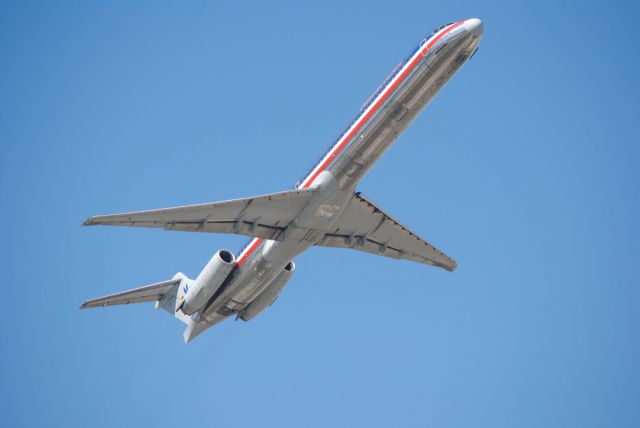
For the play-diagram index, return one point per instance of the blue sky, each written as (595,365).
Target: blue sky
(524,169)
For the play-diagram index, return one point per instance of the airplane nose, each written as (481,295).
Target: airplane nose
(474,26)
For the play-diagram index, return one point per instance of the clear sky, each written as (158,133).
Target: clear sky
(524,169)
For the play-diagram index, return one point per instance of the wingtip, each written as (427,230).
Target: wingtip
(89,222)
(449,266)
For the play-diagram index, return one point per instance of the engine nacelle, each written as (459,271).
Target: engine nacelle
(198,292)
(269,294)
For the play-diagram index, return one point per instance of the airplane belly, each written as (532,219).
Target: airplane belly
(255,275)
(399,110)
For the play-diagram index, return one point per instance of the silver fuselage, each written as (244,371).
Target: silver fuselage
(384,116)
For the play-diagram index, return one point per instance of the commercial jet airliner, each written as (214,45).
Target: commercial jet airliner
(323,209)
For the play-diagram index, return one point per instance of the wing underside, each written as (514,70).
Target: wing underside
(366,227)
(362,226)
(265,216)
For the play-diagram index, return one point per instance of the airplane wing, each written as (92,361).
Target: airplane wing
(365,226)
(264,216)
(150,293)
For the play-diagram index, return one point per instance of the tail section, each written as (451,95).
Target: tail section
(182,297)
(172,302)
(168,295)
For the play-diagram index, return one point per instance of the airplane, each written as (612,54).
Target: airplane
(322,209)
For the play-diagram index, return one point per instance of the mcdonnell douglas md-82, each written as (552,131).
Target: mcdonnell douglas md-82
(322,209)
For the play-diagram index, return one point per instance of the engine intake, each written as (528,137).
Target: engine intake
(208,282)
(269,295)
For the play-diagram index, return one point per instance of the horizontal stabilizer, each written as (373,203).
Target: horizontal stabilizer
(366,227)
(165,294)
(264,216)
(150,293)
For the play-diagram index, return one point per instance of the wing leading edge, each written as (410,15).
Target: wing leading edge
(366,227)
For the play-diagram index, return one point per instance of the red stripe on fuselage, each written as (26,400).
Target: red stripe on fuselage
(252,247)
(383,97)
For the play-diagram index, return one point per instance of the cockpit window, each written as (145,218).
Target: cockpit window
(435,30)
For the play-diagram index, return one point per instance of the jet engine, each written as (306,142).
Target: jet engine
(198,292)
(269,295)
